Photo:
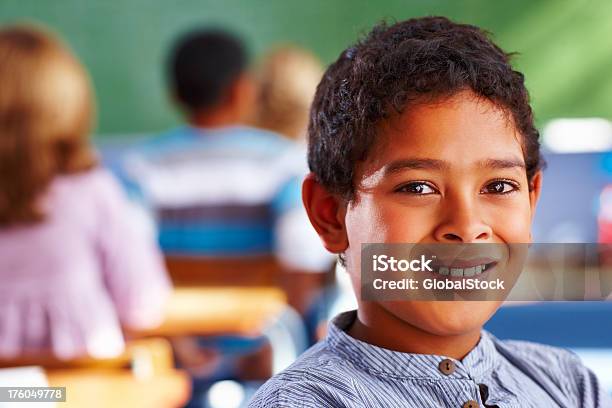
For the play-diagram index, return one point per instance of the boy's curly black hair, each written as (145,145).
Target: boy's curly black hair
(395,66)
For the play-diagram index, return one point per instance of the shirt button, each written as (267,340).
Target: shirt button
(447,366)
(471,404)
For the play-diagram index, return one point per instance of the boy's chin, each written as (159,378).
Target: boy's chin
(444,318)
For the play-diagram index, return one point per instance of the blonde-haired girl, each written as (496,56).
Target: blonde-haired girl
(73,267)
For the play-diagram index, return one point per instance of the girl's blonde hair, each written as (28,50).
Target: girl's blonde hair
(46,114)
(288,80)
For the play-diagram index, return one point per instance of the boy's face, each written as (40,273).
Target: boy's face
(449,172)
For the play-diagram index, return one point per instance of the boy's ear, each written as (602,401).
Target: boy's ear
(326,213)
(535,188)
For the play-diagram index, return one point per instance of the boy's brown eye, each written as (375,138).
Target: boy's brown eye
(499,187)
(417,188)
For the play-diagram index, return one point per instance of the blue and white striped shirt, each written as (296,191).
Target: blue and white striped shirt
(233,191)
(344,372)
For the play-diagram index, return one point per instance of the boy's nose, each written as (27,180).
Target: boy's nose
(462,223)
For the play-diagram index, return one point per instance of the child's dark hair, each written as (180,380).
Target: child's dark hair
(203,65)
(414,61)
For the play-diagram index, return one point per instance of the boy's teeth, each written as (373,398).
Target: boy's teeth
(456,272)
(471,271)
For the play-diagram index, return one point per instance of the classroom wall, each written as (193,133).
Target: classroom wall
(565,46)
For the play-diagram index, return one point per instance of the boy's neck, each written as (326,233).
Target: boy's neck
(379,327)
(214,118)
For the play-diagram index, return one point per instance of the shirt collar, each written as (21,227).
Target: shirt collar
(380,361)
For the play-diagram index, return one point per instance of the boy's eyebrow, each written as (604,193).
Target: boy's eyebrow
(434,164)
(502,163)
(414,164)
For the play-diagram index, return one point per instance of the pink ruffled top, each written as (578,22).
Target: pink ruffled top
(70,283)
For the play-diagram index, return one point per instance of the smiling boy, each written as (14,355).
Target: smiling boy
(423,133)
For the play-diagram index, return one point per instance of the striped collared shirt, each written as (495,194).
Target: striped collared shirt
(344,372)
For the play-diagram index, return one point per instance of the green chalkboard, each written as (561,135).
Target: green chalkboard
(565,46)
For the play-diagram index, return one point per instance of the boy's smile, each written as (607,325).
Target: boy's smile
(446,172)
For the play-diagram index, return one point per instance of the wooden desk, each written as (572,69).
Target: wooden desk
(205,271)
(190,311)
(120,388)
(143,376)
(219,310)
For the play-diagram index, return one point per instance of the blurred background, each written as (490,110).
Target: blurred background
(562,47)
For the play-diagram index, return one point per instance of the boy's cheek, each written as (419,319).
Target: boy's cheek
(371,223)
(512,226)
(401,225)
(365,222)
